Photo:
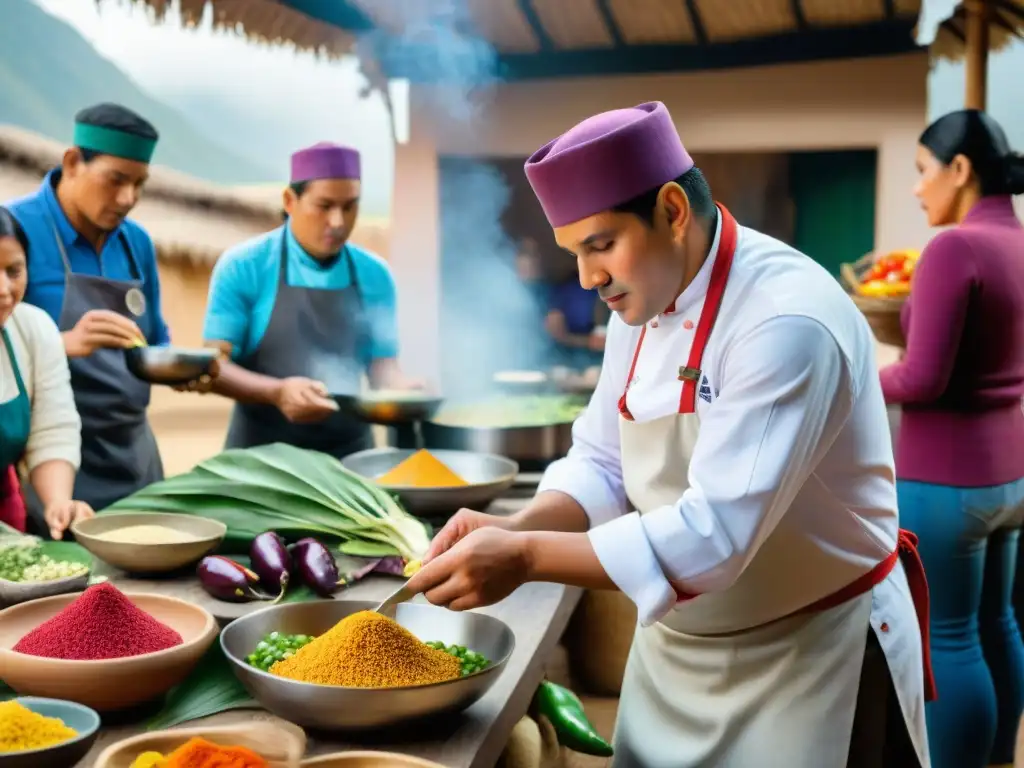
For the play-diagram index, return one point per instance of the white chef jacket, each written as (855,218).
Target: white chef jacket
(792,422)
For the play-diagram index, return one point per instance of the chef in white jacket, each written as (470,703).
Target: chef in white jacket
(732,474)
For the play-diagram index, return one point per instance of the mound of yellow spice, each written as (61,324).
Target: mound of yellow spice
(368,650)
(22,729)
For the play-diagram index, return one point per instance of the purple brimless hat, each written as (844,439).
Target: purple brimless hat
(325,161)
(606,160)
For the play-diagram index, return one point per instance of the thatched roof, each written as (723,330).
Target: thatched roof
(187,218)
(613,28)
(942,25)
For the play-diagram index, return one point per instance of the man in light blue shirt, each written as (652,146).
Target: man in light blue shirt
(301,314)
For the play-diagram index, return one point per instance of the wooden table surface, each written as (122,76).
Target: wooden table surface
(537,613)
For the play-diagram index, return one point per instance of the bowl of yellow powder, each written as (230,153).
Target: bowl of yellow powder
(149,542)
(365,671)
(436,483)
(45,733)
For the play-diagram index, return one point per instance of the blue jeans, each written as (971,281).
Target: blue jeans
(968,543)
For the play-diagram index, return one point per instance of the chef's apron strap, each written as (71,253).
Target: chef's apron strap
(690,374)
(133,265)
(15,427)
(918,583)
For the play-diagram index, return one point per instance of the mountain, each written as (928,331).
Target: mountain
(48,71)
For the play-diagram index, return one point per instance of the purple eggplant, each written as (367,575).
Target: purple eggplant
(316,566)
(392,566)
(227,580)
(271,561)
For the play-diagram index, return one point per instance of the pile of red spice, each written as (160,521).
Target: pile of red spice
(101,624)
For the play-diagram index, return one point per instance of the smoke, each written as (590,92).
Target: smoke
(490,320)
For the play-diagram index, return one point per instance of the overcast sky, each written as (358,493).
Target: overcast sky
(165,59)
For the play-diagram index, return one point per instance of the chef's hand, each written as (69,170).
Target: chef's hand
(488,565)
(304,401)
(204,383)
(101,329)
(459,526)
(61,514)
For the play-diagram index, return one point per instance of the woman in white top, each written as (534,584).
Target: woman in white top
(39,425)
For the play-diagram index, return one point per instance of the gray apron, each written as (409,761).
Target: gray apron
(119,451)
(316,333)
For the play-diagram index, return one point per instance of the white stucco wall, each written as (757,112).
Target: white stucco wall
(870,103)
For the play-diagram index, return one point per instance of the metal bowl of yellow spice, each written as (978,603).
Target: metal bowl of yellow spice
(359,670)
(435,483)
(45,733)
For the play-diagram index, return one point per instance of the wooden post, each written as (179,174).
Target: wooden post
(976,55)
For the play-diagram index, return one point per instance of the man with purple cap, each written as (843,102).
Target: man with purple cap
(302,314)
(732,476)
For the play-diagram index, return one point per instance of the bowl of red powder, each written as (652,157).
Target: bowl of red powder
(103,648)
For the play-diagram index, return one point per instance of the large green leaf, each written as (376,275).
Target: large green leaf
(292,491)
(210,689)
(67,551)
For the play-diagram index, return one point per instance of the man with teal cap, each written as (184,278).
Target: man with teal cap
(94,272)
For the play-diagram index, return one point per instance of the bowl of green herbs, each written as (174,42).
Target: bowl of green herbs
(31,568)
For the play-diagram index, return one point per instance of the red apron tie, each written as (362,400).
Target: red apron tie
(12,505)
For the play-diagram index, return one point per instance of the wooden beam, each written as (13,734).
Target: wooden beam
(818,44)
(976,29)
(533,19)
(699,30)
(604,7)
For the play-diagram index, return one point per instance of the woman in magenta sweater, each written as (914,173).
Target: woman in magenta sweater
(960,449)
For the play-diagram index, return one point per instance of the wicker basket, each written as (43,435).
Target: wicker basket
(882,313)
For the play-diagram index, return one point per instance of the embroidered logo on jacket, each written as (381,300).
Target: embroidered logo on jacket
(705,390)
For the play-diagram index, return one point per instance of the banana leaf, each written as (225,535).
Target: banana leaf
(292,491)
(68,551)
(212,688)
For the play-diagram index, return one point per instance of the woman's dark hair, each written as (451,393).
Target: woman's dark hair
(9,227)
(694,185)
(975,135)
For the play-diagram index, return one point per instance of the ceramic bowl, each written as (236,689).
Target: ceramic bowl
(369,759)
(108,684)
(84,721)
(149,558)
(280,743)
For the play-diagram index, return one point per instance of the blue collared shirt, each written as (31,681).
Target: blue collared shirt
(46,269)
(243,290)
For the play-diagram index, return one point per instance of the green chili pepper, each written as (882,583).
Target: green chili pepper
(565,712)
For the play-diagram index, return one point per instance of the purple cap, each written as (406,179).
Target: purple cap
(606,160)
(325,161)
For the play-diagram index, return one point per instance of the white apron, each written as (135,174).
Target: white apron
(744,678)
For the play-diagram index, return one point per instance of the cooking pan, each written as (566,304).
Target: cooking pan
(170,365)
(390,407)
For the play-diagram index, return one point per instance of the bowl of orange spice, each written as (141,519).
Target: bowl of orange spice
(264,744)
(434,483)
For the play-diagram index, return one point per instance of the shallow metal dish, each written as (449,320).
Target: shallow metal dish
(488,476)
(170,365)
(334,708)
(390,407)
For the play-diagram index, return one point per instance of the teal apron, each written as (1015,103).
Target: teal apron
(15,425)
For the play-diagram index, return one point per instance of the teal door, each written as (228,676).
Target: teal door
(834,198)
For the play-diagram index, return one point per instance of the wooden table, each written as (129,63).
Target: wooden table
(537,614)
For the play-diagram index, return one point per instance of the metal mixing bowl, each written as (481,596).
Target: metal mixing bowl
(170,365)
(488,476)
(334,708)
(390,407)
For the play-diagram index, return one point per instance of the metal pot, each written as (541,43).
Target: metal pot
(529,446)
